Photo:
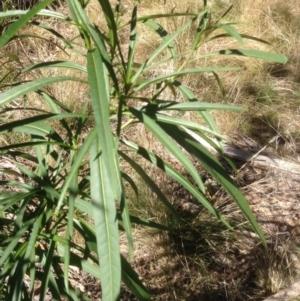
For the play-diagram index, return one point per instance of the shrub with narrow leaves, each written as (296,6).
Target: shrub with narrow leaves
(66,182)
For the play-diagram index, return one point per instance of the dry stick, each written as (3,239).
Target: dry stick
(242,155)
(7,166)
(260,151)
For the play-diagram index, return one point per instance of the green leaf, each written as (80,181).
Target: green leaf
(197,106)
(201,29)
(231,31)
(178,177)
(132,45)
(221,87)
(67,43)
(33,36)
(31,143)
(151,185)
(159,49)
(188,124)
(47,186)
(16,26)
(278,58)
(84,206)
(42,12)
(98,81)
(35,85)
(99,90)
(56,64)
(87,208)
(162,33)
(110,21)
(17,236)
(54,104)
(99,43)
(167,142)
(106,225)
(95,34)
(42,169)
(244,36)
(69,231)
(47,273)
(29,259)
(146,222)
(172,76)
(76,165)
(214,167)
(127,224)
(132,281)
(126,177)
(33,126)
(189,95)
(129,276)
(159,16)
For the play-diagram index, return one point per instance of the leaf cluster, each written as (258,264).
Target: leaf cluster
(68,183)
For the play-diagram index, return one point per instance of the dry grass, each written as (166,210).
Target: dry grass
(202,260)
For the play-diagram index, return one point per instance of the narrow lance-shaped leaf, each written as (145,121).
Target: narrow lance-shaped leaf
(197,106)
(221,87)
(174,75)
(76,165)
(224,14)
(214,167)
(47,273)
(99,90)
(159,16)
(274,57)
(69,232)
(50,29)
(132,281)
(231,31)
(244,36)
(31,248)
(129,276)
(126,177)
(110,21)
(98,80)
(35,85)
(29,125)
(15,27)
(24,262)
(28,36)
(43,183)
(201,28)
(151,185)
(188,124)
(167,142)
(173,173)
(105,171)
(56,64)
(106,225)
(42,12)
(42,169)
(17,236)
(189,95)
(31,143)
(132,44)
(158,50)
(94,33)
(162,33)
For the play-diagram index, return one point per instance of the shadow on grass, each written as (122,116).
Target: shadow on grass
(205,261)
